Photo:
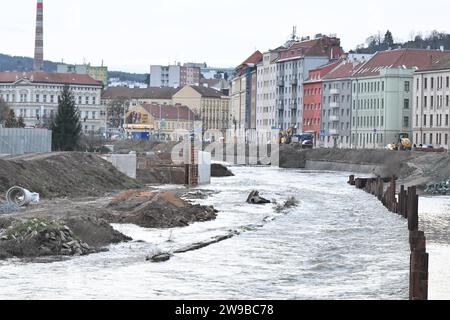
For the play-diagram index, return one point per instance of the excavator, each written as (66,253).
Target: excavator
(403,144)
(305,139)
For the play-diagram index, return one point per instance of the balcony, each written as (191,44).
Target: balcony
(294,105)
(333,132)
(280,83)
(294,82)
(335,91)
(334,118)
(280,105)
(334,105)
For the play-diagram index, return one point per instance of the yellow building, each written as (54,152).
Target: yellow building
(211,106)
(159,121)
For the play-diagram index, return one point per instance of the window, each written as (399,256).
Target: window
(406,122)
(37,98)
(79,100)
(447,82)
(425,102)
(446,120)
(424,120)
(425,83)
(406,104)
(417,120)
(432,83)
(406,86)
(87,100)
(431,120)
(382,86)
(446,101)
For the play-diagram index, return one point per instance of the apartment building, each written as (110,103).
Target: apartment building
(337,104)
(312,99)
(431,104)
(174,76)
(293,66)
(99,73)
(243,93)
(382,94)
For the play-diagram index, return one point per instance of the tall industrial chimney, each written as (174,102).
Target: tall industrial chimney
(39,42)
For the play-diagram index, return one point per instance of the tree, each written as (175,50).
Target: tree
(20,122)
(4,111)
(116,109)
(389,39)
(11,121)
(66,126)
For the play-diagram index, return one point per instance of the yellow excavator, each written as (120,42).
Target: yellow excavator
(286,136)
(404,143)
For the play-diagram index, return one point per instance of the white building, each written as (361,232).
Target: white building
(431,110)
(174,76)
(34,96)
(266,111)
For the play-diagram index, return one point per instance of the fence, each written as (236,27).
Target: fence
(20,141)
(406,204)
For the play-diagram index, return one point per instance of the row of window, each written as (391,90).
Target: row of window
(439,101)
(439,81)
(371,104)
(431,122)
(370,122)
(432,138)
(374,86)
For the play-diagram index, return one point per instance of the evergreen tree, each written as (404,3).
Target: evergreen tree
(20,122)
(389,39)
(66,126)
(11,121)
(4,111)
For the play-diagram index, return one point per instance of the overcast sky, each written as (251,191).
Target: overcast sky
(133,34)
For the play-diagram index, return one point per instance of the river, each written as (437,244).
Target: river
(339,243)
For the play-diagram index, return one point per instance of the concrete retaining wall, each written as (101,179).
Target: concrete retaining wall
(125,163)
(343,166)
(204,168)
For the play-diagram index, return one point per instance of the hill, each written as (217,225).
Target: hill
(15,63)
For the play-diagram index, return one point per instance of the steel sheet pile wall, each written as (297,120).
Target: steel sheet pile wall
(21,141)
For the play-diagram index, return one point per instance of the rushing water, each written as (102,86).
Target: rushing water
(339,243)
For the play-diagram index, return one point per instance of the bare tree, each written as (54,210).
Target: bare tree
(116,110)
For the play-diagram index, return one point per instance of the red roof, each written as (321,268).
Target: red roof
(400,58)
(49,77)
(318,73)
(169,112)
(343,70)
(256,57)
(325,46)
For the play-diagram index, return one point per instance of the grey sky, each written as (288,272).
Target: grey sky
(130,35)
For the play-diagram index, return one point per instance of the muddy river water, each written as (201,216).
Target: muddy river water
(339,243)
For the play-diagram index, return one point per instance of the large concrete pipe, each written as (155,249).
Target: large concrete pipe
(21,197)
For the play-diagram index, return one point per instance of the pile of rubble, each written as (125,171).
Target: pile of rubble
(40,237)
(442,188)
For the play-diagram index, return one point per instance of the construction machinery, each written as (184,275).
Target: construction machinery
(403,144)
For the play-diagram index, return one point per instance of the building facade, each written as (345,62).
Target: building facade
(98,73)
(243,93)
(266,112)
(210,106)
(174,76)
(312,99)
(431,109)
(157,121)
(34,96)
(382,94)
(337,105)
(293,66)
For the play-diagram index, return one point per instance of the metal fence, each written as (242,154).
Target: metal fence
(21,141)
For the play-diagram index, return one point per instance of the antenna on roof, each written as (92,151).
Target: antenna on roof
(294,33)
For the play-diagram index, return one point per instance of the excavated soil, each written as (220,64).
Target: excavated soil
(156,210)
(57,175)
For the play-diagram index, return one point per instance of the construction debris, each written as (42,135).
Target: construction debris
(21,197)
(255,198)
(442,188)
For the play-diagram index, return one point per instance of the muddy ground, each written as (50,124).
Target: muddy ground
(86,222)
(58,175)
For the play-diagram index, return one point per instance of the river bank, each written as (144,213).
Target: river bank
(412,168)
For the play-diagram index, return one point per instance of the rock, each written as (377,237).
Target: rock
(218,170)
(254,198)
(161,257)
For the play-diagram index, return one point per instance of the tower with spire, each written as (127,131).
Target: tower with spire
(39,40)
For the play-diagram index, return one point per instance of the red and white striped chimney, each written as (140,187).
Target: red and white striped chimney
(39,42)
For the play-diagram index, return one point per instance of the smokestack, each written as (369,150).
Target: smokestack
(39,41)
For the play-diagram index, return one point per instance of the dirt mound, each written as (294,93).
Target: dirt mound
(41,237)
(156,210)
(63,175)
(218,170)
